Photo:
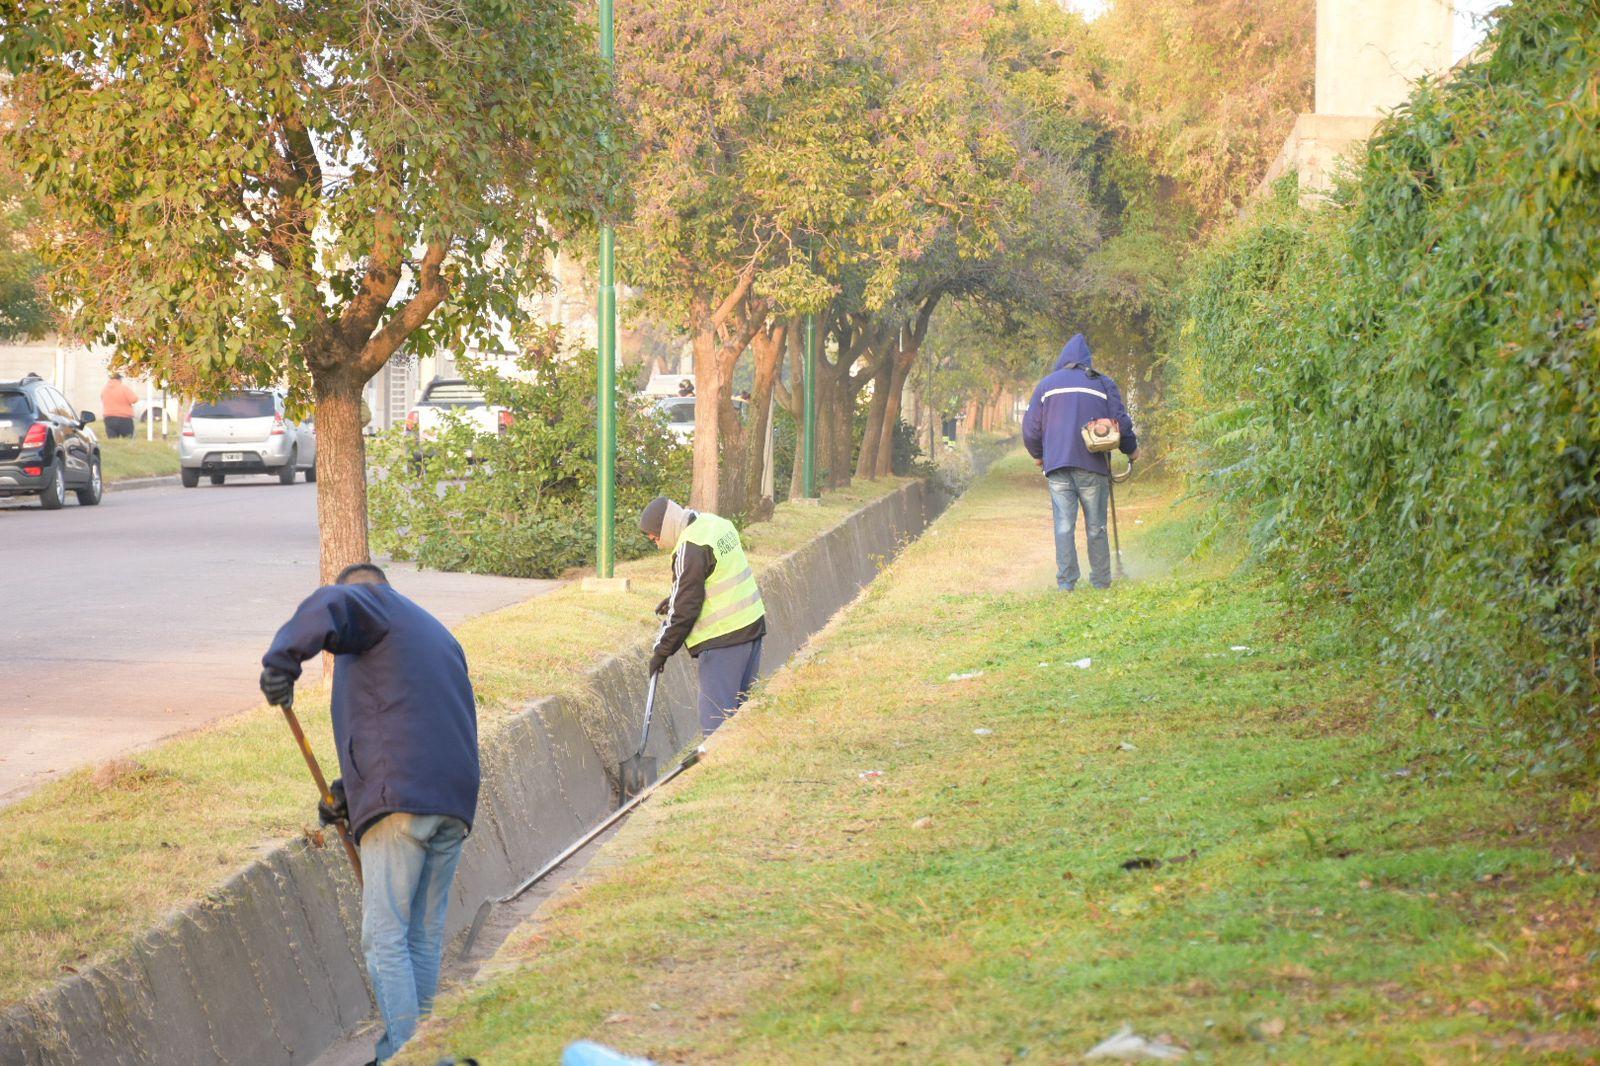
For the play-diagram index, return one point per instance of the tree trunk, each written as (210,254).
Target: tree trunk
(768,346)
(341,474)
(891,410)
(841,435)
(704,495)
(905,357)
(736,446)
(872,435)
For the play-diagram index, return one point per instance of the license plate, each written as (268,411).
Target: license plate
(233,457)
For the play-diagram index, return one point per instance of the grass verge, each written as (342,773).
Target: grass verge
(90,861)
(941,839)
(122,459)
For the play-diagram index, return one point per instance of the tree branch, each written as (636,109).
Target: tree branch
(378,285)
(432,287)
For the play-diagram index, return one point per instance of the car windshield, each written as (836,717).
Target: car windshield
(453,394)
(15,405)
(239,405)
(678,411)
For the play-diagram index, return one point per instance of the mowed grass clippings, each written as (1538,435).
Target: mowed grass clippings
(1215,832)
(88,862)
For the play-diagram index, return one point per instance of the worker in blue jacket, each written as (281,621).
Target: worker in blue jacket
(406,728)
(1073,395)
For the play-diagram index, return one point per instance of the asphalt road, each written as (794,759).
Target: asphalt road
(147,616)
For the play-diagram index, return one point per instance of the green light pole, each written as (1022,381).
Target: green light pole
(809,468)
(606,367)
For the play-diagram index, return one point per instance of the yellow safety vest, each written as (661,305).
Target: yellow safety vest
(733,600)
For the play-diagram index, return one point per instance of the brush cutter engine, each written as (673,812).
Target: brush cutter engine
(1102,435)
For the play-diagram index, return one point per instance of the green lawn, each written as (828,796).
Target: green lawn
(90,861)
(1220,831)
(123,459)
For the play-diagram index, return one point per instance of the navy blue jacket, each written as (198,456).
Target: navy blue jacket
(404,718)
(1069,398)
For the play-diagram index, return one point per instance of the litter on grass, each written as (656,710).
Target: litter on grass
(1125,746)
(983,732)
(868,775)
(966,676)
(1240,647)
(588,1053)
(1127,1046)
(1082,664)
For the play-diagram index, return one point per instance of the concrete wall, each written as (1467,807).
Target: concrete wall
(1369,52)
(268,970)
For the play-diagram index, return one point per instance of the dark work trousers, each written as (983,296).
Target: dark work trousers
(118,426)
(726,677)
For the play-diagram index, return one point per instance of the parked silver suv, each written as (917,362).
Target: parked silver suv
(245,433)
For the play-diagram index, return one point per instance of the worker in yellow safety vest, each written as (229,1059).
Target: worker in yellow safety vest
(714,608)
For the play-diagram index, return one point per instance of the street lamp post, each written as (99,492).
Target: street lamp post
(606,367)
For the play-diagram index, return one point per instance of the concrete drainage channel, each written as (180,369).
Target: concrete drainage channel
(267,969)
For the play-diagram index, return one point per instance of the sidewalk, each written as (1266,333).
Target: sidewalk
(940,839)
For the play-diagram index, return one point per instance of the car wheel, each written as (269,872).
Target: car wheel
(88,497)
(217,479)
(54,496)
(286,472)
(189,476)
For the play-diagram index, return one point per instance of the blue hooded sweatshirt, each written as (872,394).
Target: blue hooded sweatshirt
(1069,398)
(404,718)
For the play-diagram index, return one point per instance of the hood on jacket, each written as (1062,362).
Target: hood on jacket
(1076,351)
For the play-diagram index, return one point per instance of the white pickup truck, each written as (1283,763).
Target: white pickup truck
(443,397)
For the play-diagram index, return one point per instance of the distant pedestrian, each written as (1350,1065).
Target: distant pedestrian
(714,608)
(116,407)
(1073,395)
(686,387)
(406,728)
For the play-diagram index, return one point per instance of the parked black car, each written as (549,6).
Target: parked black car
(46,448)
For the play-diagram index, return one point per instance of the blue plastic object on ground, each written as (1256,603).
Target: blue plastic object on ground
(588,1053)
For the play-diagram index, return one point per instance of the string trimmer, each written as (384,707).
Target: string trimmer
(1103,436)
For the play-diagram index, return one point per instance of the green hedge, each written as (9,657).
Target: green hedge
(1402,387)
(522,503)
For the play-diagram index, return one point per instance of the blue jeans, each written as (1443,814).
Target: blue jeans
(408,862)
(726,677)
(1071,488)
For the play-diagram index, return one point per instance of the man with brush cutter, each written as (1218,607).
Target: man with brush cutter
(1076,416)
(714,608)
(406,729)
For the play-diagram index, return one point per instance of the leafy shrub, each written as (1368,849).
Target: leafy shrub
(522,503)
(1403,388)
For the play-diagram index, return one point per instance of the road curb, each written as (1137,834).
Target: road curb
(141,483)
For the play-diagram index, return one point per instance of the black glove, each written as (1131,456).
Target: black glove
(277,687)
(340,811)
(664,606)
(658,663)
